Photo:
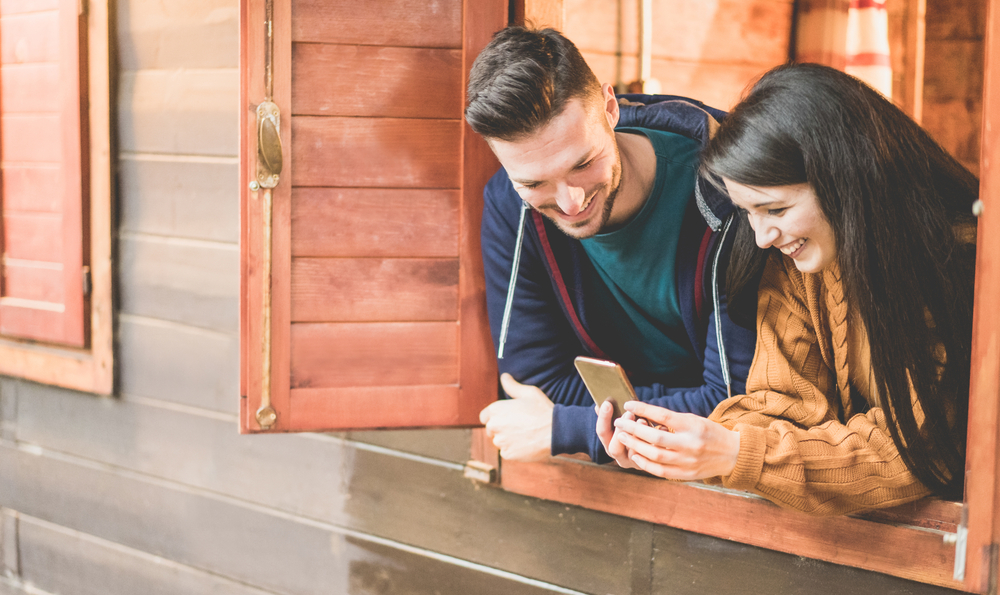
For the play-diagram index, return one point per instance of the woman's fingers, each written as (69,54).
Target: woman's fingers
(694,448)
(648,433)
(657,415)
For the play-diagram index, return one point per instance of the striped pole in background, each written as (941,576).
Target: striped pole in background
(867,55)
(851,35)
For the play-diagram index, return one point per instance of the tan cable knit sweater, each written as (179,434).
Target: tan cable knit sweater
(802,445)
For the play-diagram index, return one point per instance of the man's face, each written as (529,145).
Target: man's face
(569,170)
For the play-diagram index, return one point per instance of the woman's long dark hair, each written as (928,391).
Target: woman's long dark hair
(901,212)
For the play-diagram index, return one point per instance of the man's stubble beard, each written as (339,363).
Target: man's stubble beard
(605,216)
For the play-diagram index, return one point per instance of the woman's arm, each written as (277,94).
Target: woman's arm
(792,448)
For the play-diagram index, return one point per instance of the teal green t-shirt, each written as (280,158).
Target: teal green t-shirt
(636,308)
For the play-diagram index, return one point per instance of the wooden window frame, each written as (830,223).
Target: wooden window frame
(89,368)
(916,541)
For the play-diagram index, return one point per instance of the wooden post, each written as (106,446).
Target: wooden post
(913,65)
(983,458)
(544,13)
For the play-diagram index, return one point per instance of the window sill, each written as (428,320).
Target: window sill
(907,541)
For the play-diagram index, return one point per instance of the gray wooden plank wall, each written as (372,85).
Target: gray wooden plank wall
(153,491)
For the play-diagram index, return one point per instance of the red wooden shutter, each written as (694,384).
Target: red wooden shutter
(41,148)
(377,314)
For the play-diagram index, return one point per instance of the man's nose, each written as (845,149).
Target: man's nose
(570,199)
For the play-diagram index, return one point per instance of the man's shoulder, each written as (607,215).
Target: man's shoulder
(499,193)
(680,115)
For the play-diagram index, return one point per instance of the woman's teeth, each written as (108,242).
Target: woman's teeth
(790,248)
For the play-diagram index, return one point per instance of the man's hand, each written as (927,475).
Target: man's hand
(521,427)
(609,435)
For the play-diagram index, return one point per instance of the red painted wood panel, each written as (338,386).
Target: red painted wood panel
(396,81)
(30,323)
(372,407)
(376,152)
(411,23)
(32,37)
(34,138)
(380,220)
(374,289)
(29,88)
(374,354)
(43,196)
(374,222)
(21,6)
(32,187)
(34,281)
(33,236)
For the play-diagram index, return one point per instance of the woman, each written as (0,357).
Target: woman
(863,267)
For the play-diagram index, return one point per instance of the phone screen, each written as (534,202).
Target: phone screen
(605,380)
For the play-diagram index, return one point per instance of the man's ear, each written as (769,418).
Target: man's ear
(611,110)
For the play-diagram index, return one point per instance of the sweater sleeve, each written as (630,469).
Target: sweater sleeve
(794,448)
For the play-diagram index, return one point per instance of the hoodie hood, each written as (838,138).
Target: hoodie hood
(685,117)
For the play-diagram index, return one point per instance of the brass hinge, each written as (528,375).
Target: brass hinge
(480,472)
(86,282)
(960,539)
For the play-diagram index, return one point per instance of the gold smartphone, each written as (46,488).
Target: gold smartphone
(605,380)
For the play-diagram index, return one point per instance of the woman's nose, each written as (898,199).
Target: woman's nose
(570,199)
(765,234)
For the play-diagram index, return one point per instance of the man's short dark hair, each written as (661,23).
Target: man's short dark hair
(523,79)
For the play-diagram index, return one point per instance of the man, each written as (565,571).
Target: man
(596,242)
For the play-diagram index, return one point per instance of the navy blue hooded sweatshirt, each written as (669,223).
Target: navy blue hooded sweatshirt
(546,308)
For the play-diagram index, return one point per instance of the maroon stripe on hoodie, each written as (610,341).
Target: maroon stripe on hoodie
(699,274)
(561,285)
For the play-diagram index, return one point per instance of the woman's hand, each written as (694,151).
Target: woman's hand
(609,435)
(687,448)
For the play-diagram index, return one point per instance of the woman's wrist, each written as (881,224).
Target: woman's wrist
(732,451)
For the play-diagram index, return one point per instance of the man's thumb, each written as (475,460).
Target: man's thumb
(513,388)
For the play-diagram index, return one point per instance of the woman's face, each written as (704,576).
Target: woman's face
(788,218)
